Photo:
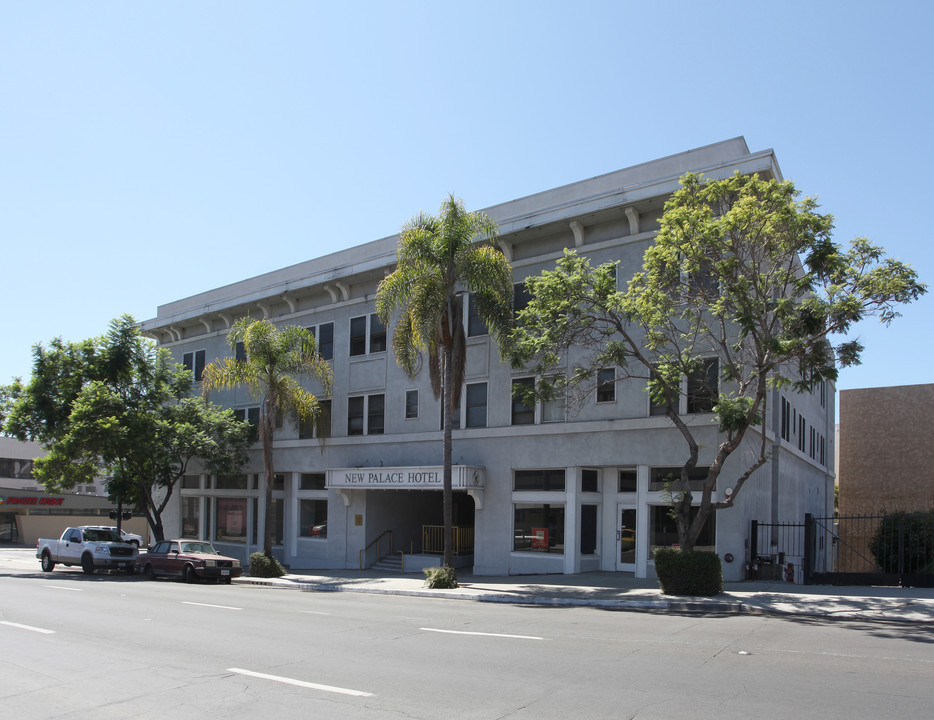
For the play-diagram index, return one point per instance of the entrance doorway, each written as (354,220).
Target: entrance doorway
(626,539)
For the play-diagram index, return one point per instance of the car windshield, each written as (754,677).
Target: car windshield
(198,547)
(101,535)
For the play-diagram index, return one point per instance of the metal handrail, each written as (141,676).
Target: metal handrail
(377,543)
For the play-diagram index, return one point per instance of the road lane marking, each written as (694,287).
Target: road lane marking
(222,607)
(62,587)
(314,612)
(28,627)
(483,634)
(300,683)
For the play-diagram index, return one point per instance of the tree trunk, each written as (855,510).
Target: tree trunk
(447,491)
(265,432)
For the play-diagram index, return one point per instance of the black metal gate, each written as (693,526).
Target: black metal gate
(859,550)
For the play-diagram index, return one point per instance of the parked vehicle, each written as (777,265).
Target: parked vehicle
(187,560)
(131,538)
(93,547)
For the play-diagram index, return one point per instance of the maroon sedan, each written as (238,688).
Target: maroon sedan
(188,560)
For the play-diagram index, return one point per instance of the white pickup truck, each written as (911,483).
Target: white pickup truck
(92,547)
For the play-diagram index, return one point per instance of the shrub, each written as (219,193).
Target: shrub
(262,565)
(688,572)
(440,578)
(913,533)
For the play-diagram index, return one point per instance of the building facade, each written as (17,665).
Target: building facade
(540,489)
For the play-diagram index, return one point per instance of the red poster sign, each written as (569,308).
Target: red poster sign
(540,538)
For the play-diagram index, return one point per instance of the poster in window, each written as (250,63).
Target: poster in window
(539,538)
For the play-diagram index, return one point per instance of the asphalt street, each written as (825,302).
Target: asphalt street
(111,646)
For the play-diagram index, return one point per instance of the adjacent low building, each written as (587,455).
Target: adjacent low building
(538,489)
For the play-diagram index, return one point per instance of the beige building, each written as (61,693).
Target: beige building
(886,450)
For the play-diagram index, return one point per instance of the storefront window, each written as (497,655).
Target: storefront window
(231,520)
(589,529)
(191,515)
(545,480)
(314,518)
(230,482)
(539,528)
(664,530)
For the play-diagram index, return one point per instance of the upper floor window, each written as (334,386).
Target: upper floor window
(324,339)
(411,404)
(367,335)
(475,324)
(520,297)
(195,361)
(240,352)
(522,414)
(702,387)
(476,405)
(366,414)
(606,385)
(308,429)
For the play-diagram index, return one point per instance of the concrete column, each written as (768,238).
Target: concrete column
(572,562)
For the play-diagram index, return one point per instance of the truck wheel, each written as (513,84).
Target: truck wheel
(47,564)
(87,564)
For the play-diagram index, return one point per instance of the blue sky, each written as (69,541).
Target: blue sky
(151,151)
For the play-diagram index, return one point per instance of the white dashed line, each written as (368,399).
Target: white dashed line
(501,635)
(28,627)
(222,607)
(300,683)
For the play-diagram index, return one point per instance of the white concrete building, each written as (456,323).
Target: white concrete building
(537,490)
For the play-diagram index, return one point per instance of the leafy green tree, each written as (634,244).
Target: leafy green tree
(441,259)
(272,361)
(117,407)
(742,290)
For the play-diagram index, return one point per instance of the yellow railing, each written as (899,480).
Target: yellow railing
(433,539)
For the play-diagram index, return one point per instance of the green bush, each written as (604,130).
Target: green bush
(264,566)
(913,533)
(688,572)
(440,578)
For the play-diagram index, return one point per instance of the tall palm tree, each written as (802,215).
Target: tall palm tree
(270,362)
(441,258)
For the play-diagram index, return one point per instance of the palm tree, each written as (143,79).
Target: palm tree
(440,260)
(268,366)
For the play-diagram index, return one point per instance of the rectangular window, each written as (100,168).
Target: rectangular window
(539,480)
(475,325)
(191,517)
(588,529)
(660,477)
(375,416)
(325,339)
(230,520)
(191,481)
(522,414)
(411,404)
(520,297)
(786,420)
(553,410)
(277,520)
(606,385)
(377,335)
(358,336)
(627,481)
(230,482)
(476,405)
(802,432)
(539,528)
(313,521)
(312,481)
(590,481)
(309,429)
(702,389)
(355,415)
(195,362)
(659,407)
(663,531)
(240,352)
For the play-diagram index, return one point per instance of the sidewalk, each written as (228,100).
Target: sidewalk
(622,591)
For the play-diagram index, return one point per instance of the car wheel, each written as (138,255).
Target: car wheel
(47,564)
(87,564)
(188,574)
(148,573)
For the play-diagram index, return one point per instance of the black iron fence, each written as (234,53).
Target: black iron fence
(896,549)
